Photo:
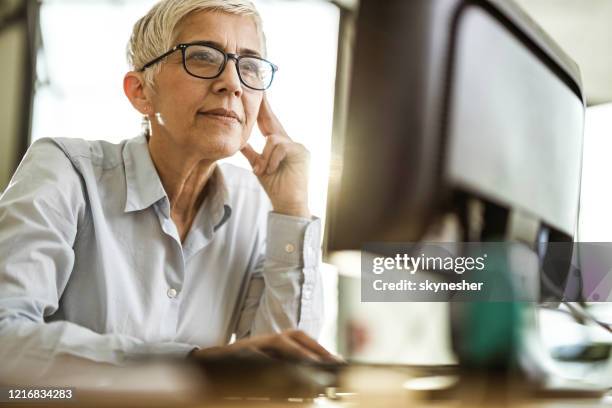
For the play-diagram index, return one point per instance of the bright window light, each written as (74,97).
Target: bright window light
(595,223)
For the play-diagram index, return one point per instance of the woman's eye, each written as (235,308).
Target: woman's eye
(250,68)
(202,56)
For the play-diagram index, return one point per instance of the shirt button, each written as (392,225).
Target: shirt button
(289,248)
(172,293)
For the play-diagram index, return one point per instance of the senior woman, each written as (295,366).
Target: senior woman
(108,252)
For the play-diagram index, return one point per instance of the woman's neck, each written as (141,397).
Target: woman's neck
(184,177)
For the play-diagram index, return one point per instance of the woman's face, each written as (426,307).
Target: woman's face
(182,103)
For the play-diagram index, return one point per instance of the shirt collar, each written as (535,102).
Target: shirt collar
(213,213)
(144,188)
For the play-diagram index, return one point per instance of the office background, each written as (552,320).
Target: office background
(62,64)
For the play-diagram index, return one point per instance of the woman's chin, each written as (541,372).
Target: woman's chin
(221,148)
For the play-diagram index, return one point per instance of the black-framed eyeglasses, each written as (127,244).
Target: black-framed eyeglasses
(205,61)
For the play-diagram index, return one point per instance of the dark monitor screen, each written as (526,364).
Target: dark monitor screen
(453,97)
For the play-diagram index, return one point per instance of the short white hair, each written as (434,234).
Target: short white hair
(155,33)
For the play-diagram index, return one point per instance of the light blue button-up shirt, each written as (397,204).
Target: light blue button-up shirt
(92,265)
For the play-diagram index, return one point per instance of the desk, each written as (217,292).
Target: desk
(359,387)
(179,385)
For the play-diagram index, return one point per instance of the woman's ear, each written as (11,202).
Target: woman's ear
(134,88)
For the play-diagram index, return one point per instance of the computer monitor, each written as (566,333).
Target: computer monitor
(452,100)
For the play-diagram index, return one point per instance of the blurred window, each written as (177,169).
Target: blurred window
(595,224)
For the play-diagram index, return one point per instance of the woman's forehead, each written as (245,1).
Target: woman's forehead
(228,30)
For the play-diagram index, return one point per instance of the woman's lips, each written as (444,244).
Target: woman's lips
(223,115)
(221,118)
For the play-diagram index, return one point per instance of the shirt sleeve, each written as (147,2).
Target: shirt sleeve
(285,289)
(40,214)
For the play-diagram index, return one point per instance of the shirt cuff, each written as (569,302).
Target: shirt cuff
(294,240)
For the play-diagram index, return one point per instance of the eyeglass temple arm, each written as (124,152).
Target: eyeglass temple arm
(156,60)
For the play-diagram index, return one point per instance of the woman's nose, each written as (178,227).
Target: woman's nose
(228,81)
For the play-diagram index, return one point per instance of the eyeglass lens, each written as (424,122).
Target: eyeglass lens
(207,62)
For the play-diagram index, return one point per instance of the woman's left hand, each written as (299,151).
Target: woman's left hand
(282,167)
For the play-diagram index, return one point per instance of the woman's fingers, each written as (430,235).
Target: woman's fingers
(264,158)
(279,152)
(295,344)
(257,351)
(276,157)
(250,154)
(267,121)
(291,344)
(261,162)
(312,345)
(275,134)
(288,348)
